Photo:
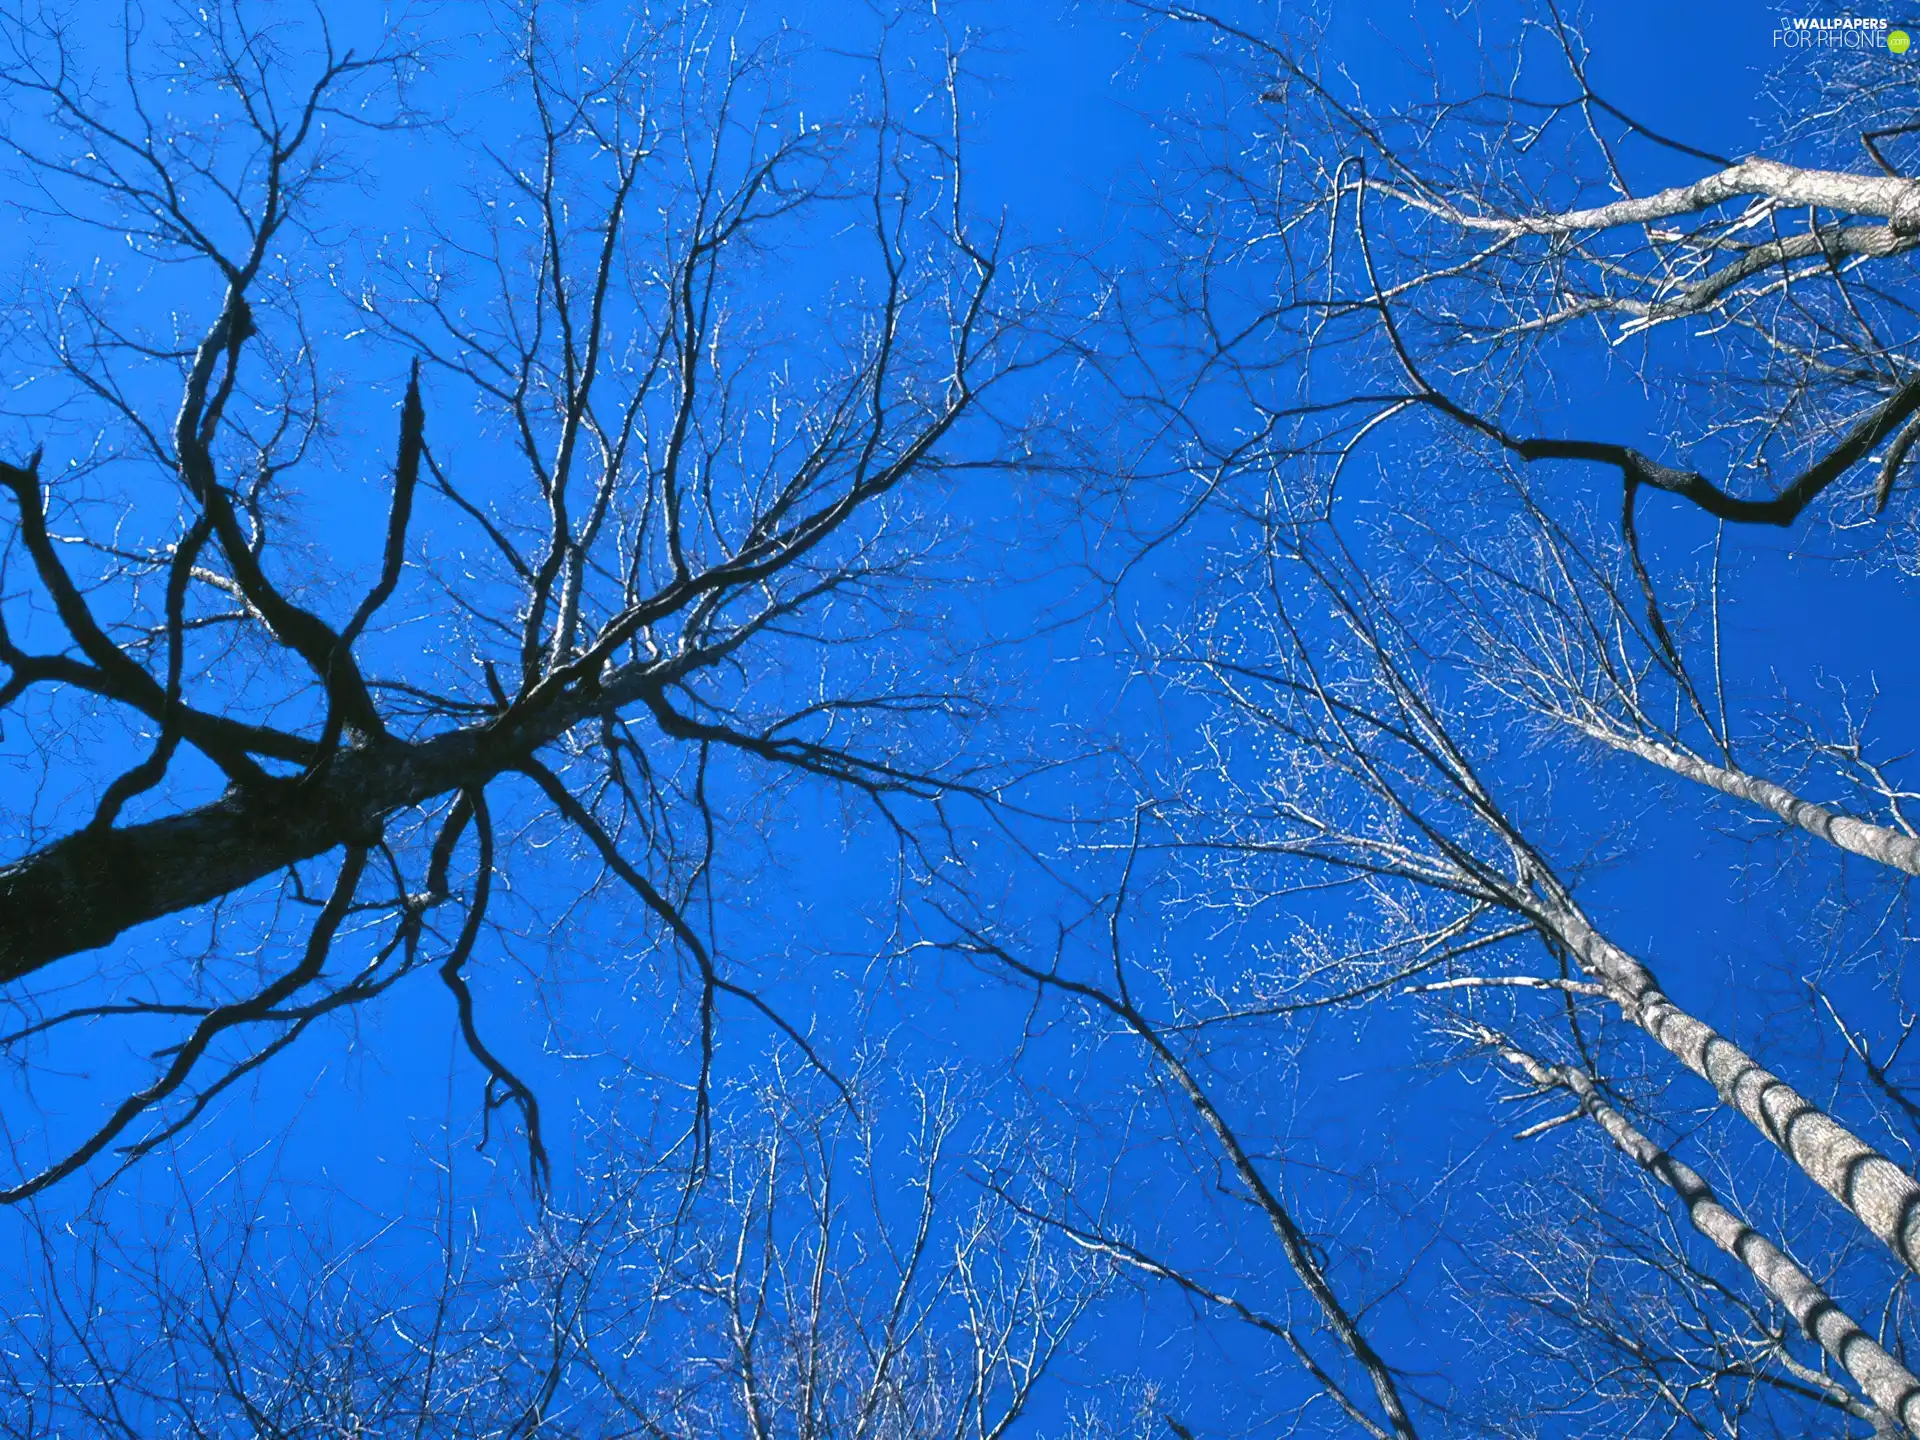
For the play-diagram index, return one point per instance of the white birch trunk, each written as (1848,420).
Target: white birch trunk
(1883,1379)
(1879,1193)
(1879,843)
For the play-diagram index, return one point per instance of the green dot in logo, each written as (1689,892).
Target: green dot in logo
(1898,41)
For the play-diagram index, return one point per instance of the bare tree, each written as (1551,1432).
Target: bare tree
(669,401)
(1334,757)
(1419,600)
(1891,1388)
(651,521)
(821,1283)
(1428,270)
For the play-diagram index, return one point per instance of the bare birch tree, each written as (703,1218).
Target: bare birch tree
(1423,595)
(1334,756)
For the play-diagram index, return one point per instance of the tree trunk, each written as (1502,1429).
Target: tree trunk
(1883,1379)
(83,890)
(1879,1193)
(1879,843)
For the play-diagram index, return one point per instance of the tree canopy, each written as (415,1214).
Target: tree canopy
(957,722)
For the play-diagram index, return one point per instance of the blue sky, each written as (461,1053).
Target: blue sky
(1063,140)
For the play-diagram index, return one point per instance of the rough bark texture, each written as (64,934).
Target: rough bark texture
(1883,1196)
(1883,1379)
(1880,843)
